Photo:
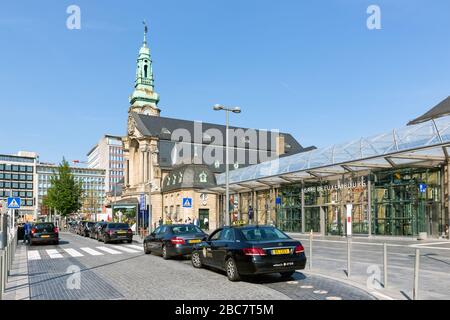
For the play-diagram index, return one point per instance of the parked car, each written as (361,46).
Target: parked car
(250,250)
(115,232)
(94,231)
(173,240)
(44,232)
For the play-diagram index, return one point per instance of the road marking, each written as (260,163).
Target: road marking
(292,282)
(92,251)
(423,247)
(306,287)
(381,295)
(134,247)
(430,244)
(333,298)
(54,254)
(320,291)
(126,249)
(34,255)
(73,252)
(109,250)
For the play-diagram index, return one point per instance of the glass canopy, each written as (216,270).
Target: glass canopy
(411,144)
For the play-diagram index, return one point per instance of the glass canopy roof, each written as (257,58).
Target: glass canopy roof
(421,142)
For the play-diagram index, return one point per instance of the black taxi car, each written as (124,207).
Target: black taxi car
(250,250)
(171,240)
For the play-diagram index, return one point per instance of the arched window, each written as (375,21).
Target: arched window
(145,71)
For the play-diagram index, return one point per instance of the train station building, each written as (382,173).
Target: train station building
(394,184)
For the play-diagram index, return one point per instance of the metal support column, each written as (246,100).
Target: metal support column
(369,204)
(303,207)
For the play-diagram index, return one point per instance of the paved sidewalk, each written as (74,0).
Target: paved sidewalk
(18,287)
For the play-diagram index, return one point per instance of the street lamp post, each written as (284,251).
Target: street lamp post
(149,206)
(219,107)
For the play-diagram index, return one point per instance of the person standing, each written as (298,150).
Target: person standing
(206,223)
(26,235)
(250,215)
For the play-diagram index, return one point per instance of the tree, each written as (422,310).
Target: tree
(65,194)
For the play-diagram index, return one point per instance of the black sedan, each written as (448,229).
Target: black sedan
(94,231)
(115,232)
(173,240)
(250,250)
(44,232)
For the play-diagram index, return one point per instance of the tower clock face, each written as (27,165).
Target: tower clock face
(147,112)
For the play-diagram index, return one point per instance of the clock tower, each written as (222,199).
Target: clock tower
(144,99)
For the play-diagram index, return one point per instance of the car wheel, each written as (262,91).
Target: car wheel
(147,249)
(231,269)
(56,242)
(129,241)
(286,275)
(196,260)
(104,240)
(165,255)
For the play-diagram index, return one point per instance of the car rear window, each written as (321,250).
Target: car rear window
(263,234)
(44,226)
(186,229)
(118,226)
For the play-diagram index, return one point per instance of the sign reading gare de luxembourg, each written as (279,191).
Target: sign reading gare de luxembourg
(356,184)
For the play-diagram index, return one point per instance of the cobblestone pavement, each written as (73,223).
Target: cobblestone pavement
(122,271)
(330,258)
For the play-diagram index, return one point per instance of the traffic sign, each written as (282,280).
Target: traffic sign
(13,203)
(422,187)
(187,202)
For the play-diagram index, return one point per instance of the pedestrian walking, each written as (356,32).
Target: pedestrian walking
(206,223)
(160,221)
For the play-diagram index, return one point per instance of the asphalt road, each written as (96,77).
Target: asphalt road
(330,258)
(123,271)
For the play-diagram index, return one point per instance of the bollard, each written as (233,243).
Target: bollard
(348,257)
(3,284)
(385,270)
(310,249)
(416,276)
(1,274)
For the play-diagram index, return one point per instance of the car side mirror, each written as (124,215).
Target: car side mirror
(205,238)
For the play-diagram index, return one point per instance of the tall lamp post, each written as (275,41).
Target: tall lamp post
(219,107)
(149,206)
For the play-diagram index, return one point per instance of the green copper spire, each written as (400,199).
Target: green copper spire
(144,99)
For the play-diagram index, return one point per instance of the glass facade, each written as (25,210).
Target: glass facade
(404,202)
(16,180)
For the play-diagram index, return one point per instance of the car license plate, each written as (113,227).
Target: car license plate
(281,251)
(121,232)
(45,236)
(195,241)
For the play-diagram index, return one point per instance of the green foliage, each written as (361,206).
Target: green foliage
(65,194)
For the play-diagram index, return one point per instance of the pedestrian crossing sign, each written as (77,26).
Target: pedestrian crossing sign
(187,202)
(13,203)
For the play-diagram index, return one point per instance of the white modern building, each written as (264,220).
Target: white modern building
(92,182)
(107,154)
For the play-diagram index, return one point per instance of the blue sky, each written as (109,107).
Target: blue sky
(311,68)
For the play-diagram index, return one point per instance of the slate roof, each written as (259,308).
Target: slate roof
(163,127)
(442,109)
